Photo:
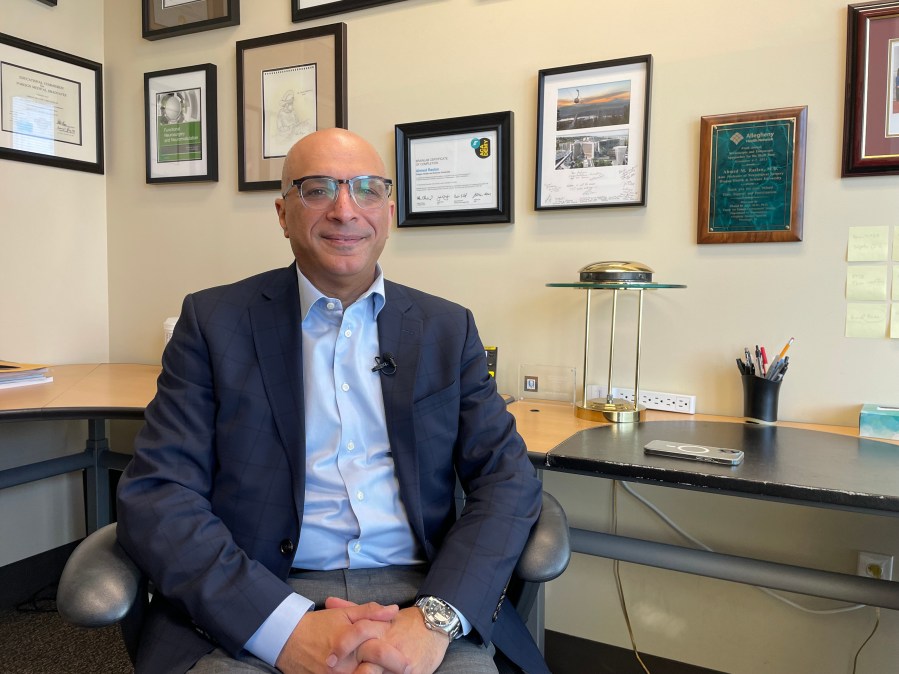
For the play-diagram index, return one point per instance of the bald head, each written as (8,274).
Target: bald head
(326,146)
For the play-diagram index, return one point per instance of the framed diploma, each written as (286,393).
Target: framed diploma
(303,10)
(181,132)
(752,176)
(288,85)
(871,117)
(169,18)
(51,107)
(455,171)
(593,134)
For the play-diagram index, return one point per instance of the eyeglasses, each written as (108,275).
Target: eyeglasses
(320,192)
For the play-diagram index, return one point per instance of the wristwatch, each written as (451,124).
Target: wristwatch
(440,616)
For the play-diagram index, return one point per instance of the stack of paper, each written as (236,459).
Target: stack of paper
(22,374)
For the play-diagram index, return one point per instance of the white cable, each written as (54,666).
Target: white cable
(698,543)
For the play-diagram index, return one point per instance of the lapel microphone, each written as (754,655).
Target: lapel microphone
(385,364)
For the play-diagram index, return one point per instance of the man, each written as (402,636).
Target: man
(303,447)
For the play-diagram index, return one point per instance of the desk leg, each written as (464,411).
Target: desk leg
(96,496)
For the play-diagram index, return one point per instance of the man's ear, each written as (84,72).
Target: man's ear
(281,208)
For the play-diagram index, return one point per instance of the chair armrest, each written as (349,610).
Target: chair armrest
(99,583)
(548,550)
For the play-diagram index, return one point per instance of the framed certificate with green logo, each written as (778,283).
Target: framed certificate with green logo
(752,176)
(455,171)
(180,130)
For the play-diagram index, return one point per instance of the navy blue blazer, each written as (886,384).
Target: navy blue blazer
(211,506)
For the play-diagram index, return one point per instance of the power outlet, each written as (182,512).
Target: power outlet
(875,565)
(654,400)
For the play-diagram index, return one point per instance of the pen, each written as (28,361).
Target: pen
(750,368)
(764,362)
(741,366)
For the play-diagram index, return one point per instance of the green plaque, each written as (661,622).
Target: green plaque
(752,176)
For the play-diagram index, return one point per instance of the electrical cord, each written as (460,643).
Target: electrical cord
(618,585)
(698,543)
(865,642)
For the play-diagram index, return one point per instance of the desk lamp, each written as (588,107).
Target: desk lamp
(614,276)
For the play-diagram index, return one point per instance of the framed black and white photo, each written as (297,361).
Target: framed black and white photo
(181,129)
(304,10)
(170,18)
(455,171)
(288,85)
(593,134)
(51,107)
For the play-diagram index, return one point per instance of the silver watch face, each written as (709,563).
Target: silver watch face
(439,615)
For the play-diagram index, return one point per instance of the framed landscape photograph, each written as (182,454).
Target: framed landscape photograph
(871,117)
(303,10)
(455,171)
(51,107)
(181,130)
(593,134)
(288,85)
(170,18)
(752,176)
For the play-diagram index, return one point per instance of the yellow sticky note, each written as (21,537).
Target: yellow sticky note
(866,320)
(868,244)
(894,322)
(895,245)
(896,284)
(866,282)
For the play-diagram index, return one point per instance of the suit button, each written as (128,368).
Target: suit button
(286,547)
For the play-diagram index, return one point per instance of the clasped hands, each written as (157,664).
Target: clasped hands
(347,638)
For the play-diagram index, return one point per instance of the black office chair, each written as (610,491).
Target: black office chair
(101,586)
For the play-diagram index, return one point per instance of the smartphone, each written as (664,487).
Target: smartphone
(679,450)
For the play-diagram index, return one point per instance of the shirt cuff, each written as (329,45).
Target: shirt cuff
(268,641)
(466,626)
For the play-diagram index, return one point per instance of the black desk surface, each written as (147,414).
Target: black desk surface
(784,464)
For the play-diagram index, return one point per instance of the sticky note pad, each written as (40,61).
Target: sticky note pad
(894,322)
(866,282)
(896,243)
(896,284)
(868,244)
(866,320)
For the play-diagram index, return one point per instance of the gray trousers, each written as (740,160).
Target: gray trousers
(388,585)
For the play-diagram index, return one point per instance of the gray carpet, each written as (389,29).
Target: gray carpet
(35,640)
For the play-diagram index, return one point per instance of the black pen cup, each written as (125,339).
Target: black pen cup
(760,399)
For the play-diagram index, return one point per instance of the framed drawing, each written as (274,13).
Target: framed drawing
(455,171)
(752,176)
(288,85)
(181,130)
(169,18)
(593,134)
(51,107)
(871,117)
(303,10)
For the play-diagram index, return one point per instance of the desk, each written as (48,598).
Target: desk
(788,463)
(93,393)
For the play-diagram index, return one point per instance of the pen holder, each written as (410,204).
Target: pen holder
(760,399)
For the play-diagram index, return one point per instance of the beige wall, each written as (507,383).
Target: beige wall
(54,306)
(429,59)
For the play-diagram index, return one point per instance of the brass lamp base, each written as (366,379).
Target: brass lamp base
(616,410)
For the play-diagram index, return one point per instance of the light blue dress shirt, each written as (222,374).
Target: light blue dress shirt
(352,515)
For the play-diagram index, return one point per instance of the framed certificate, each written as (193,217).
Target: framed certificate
(455,171)
(51,107)
(181,132)
(170,18)
(303,10)
(288,85)
(752,176)
(871,117)
(593,134)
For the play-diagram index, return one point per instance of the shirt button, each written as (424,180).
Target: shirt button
(360,495)
(351,446)
(344,387)
(357,546)
(348,333)
(330,305)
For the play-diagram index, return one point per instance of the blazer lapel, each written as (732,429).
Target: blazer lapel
(277,335)
(399,333)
